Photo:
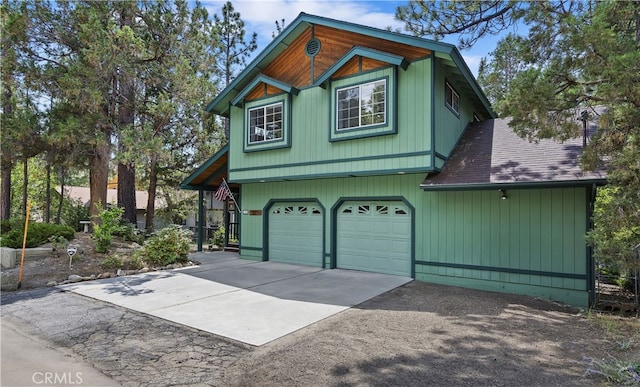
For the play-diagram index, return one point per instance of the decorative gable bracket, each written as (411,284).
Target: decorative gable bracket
(362,52)
(238,100)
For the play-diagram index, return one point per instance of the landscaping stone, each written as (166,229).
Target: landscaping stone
(8,257)
(74,278)
(52,283)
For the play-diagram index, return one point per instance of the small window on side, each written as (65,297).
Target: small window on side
(451,99)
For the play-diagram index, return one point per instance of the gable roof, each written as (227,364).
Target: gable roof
(443,51)
(210,174)
(490,156)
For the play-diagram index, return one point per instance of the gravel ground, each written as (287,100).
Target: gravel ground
(418,334)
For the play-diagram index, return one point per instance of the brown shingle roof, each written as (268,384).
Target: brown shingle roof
(490,154)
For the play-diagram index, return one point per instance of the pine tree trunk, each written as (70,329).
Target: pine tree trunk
(153,185)
(59,213)
(47,206)
(126,114)
(5,194)
(127,192)
(25,185)
(98,178)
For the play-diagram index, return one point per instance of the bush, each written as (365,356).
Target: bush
(135,262)
(109,225)
(167,246)
(218,237)
(129,233)
(73,211)
(37,234)
(112,262)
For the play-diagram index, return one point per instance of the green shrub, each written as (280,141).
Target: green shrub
(167,246)
(73,211)
(59,242)
(218,237)
(109,225)
(135,262)
(37,234)
(129,233)
(112,262)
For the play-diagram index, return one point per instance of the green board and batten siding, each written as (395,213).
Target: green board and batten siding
(448,126)
(312,155)
(469,238)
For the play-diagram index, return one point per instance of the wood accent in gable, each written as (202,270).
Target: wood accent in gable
(357,65)
(350,68)
(261,91)
(293,66)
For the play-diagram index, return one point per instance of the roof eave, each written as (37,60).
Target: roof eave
(186,183)
(513,185)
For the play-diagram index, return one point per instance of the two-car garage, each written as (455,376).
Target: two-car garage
(371,235)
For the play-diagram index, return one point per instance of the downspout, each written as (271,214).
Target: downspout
(433,111)
(201,219)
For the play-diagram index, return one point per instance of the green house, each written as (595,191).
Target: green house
(358,148)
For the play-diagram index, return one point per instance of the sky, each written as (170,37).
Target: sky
(260,16)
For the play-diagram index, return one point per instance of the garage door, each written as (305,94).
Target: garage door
(374,236)
(295,233)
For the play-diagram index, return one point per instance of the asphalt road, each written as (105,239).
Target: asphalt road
(53,337)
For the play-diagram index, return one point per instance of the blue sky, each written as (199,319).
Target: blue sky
(260,16)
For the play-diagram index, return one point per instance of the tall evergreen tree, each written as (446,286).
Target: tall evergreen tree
(232,50)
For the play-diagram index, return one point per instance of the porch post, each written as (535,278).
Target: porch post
(226,223)
(200,218)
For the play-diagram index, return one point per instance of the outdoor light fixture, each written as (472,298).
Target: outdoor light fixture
(503,194)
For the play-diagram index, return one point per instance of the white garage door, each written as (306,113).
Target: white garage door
(374,236)
(295,233)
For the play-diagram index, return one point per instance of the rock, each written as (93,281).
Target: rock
(52,283)
(74,278)
(104,275)
(144,270)
(134,245)
(177,265)
(89,278)
(119,273)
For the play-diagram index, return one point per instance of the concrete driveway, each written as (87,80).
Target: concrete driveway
(252,302)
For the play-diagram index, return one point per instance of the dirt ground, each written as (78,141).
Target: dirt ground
(38,271)
(418,334)
(426,334)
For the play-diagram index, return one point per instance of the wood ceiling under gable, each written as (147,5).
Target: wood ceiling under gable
(262,90)
(293,66)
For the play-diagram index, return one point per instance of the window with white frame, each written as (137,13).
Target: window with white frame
(361,105)
(265,123)
(451,98)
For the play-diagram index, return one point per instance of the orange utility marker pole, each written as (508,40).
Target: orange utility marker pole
(24,243)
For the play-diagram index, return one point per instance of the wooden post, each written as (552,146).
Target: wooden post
(200,218)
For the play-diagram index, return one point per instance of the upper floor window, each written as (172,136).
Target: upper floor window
(265,123)
(361,105)
(451,99)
